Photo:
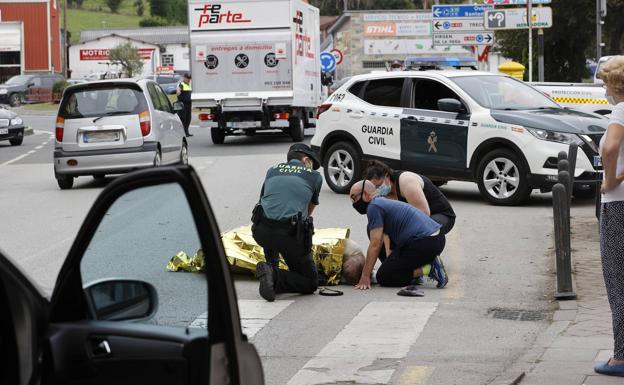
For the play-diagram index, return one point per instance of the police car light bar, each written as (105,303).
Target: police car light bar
(423,63)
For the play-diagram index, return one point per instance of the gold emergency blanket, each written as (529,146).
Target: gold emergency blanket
(243,253)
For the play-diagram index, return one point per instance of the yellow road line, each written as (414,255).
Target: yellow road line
(416,375)
(453,258)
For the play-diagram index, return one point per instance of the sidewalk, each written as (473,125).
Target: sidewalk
(580,334)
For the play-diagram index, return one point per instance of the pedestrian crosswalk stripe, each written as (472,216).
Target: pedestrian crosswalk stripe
(255,314)
(369,349)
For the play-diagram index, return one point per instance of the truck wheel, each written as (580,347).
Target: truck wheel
(217,135)
(65,182)
(342,167)
(296,129)
(15,100)
(502,178)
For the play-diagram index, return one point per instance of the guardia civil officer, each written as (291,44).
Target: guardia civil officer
(282,224)
(184,95)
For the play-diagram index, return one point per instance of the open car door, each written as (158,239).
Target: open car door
(117,316)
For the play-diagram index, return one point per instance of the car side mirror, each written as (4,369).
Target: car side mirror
(451,105)
(122,299)
(178,106)
(30,85)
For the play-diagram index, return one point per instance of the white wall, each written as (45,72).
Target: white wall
(180,54)
(81,68)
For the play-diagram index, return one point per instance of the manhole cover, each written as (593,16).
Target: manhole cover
(517,314)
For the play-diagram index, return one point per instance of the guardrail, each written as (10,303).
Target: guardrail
(562,197)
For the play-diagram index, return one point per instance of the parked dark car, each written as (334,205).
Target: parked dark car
(11,127)
(18,89)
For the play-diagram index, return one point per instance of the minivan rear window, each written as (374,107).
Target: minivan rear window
(86,102)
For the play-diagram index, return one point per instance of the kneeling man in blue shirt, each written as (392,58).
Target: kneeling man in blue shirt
(415,240)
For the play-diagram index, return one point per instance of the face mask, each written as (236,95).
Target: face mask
(383,190)
(360,206)
(611,100)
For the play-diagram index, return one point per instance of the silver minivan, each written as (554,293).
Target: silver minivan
(115,126)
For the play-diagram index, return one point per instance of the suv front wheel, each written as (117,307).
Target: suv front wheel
(502,178)
(342,166)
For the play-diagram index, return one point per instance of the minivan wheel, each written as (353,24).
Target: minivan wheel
(157,159)
(502,178)
(296,129)
(184,154)
(217,135)
(15,100)
(65,182)
(342,167)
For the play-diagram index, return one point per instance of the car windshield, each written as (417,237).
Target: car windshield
(102,101)
(19,79)
(503,93)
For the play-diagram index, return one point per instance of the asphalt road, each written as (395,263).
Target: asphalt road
(498,258)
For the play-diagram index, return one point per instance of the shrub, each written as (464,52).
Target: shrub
(154,21)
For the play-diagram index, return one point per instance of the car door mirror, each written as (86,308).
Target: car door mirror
(30,85)
(121,300)
(178,106)
(451,105)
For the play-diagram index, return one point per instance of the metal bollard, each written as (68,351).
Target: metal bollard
(564,176)
(561,215)
(561,156)
(572,153)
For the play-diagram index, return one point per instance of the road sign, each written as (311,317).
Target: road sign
(328,62)
(337,55)
(456,25)
(459,11)
(515,2)
(516,18)
(461,38)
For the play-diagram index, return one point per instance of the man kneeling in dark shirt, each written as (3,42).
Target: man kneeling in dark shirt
(415,240)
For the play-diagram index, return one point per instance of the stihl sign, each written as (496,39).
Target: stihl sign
(214,16)
(102,53)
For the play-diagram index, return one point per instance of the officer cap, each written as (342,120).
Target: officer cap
(305,149)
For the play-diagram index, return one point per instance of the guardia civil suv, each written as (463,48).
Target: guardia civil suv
(455,125)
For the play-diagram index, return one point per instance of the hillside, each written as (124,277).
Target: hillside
(95,14)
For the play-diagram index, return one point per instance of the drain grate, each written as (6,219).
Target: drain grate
(517,314)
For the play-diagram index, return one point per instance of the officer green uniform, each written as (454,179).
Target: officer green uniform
(282,226)
(184,96)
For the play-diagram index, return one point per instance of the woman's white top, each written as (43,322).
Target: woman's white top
(617,117)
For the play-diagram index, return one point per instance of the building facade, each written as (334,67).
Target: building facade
(29,37)
(170,47)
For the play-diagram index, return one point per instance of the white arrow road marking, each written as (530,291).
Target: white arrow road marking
(369,349)
(255,314)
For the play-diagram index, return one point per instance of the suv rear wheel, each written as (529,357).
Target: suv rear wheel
(502,178)
(342,167)
(65,182)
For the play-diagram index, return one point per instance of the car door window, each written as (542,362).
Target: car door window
(164,100)
(36,81)
(146,233)
(427,92)
(151,88)
(384,92)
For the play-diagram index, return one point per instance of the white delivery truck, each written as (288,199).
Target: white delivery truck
(255,65)
(586,97)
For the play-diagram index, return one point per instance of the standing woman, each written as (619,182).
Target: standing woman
(612,212)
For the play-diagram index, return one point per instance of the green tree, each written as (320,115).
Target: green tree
(614,28)
(154,21)
(176,11)
(159,8)
(126,56)
(139,7)
(567,44)
(113,5)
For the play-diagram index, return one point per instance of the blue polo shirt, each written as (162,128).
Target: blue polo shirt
(288,190)
(400,221)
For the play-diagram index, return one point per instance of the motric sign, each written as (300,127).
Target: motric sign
(460,38)
(516,18)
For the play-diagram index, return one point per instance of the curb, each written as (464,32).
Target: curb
(28,131)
